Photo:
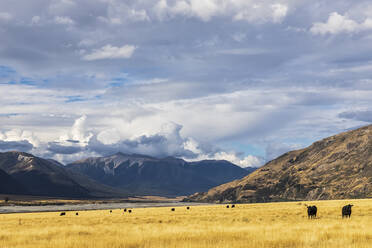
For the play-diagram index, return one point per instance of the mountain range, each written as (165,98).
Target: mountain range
(119,175)
(145,175)
(338,167)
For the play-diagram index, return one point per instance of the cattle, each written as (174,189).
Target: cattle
(62,214)
(311,211)
(129,211)
(110,211)
(173,209)
(77,214)
(233,206)
(125,210)
(188,208)
(346,211)
(227,206)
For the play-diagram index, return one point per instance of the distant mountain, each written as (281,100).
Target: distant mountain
(337,167)
(250,169)
(145,175)
(37,176)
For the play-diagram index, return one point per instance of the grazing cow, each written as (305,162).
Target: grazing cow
(346,211)
(188,208)
(110,211)
(77,214)
(227,206)
(62,214)
(125,210)
(129,211)
(173,209)
(233,206)
(311,211)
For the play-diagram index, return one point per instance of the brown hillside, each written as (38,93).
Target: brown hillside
(337,167)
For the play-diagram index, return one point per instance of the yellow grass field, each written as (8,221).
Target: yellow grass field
(248,225)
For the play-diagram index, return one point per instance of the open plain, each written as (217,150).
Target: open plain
(247,225)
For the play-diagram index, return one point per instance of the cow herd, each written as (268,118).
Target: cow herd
(311,211)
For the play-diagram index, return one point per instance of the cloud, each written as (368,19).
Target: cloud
(262,13)
(206,10)
(65,20)
(242,161)
(360,115)
(23,145)
(168,141)
(279,12)
(236,75)
(4,16)
(111,52)
(78,131)
(56,148)
(35,19)
(274,150)
(340,24)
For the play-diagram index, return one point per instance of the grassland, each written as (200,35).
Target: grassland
(250,225)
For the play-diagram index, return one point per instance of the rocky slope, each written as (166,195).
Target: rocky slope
(337,167)
(144,175)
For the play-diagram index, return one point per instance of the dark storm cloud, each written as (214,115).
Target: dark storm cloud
(22,145)
(56,148)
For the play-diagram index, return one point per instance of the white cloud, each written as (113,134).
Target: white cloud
(248,161)
(78,130)
(79,142)
(86,43)
(205,10)
(239,37)
(111,52)
(35,19)
(60,6)
(337,23)
(65,20)
(4,16)
(19,135)
(216,154)
(261,12)
(279,12)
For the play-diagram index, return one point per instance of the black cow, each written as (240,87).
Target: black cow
(125,210)
(311,212)
(110,211)
(129,211)
(188,208)
(173,209)
(227,206)
(346,211)
(77,214)
(62,214)
(233,206)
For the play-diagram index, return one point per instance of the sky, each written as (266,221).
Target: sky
(240,80)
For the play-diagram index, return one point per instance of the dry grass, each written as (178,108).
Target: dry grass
(251,225)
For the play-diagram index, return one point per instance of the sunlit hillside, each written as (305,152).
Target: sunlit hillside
(251,225)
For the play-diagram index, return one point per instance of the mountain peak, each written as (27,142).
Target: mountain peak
(132,155)
(169,176)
